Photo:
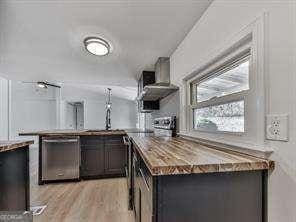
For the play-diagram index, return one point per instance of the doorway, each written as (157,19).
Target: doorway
(74,113)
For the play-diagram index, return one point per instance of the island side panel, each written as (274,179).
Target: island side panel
(14,179)
(27,172)
(265,174)
(223,197)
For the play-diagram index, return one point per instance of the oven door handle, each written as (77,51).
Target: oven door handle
(126,171)
(143,178)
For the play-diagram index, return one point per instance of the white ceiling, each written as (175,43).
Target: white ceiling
(42,40)
(124,92)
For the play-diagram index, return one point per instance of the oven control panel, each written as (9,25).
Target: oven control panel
(165,123)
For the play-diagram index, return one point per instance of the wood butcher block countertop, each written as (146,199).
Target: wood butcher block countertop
(85,132)
(59,132)
(168,156)
(12,145)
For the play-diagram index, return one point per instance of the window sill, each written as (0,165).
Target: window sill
(249,149)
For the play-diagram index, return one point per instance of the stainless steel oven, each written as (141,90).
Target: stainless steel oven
(128,169)
(163,127)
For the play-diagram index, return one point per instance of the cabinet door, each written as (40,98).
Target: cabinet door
(115,158)
(92,161)
(115,155)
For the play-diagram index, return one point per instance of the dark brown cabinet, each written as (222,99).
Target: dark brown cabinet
(115,159)
(14,180)
(147,78)
(102,156)
(92,158)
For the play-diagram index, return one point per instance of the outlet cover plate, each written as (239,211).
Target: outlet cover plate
(277,127)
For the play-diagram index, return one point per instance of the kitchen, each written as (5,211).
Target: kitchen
(161,112)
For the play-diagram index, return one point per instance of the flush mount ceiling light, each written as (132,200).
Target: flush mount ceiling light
(97,46)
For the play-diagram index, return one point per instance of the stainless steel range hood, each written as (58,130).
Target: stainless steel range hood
(162,86)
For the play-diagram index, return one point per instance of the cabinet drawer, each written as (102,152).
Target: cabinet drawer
(92,147)
(114,140)
(91,140)
(60,174)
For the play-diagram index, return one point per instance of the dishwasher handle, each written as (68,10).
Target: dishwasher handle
(60,140)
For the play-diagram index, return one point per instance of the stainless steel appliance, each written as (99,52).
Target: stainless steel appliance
(60,158)
(128,169)
(163,127)
(162,86)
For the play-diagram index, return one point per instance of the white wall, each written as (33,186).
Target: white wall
(32,108)
(4,108)
(123,113)
(221,21)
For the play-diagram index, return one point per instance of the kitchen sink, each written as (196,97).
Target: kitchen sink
(100,130)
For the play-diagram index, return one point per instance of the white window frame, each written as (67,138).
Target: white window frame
(220,67)
(256,104)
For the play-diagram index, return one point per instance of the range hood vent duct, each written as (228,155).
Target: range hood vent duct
(162,86)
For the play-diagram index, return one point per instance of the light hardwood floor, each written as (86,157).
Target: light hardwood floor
(103,200)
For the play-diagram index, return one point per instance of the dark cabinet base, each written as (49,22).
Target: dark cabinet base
(224,197)
(14,180)
(101,157)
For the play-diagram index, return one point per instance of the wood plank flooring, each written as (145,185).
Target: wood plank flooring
(103,200)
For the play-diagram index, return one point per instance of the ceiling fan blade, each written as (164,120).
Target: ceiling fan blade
(28,82)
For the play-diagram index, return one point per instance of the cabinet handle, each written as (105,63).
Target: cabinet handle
(143,178)
(61,141)
(60,174)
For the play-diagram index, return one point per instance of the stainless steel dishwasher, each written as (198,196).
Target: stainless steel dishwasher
(60,158)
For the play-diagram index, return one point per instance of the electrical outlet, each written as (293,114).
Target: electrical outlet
(277,127)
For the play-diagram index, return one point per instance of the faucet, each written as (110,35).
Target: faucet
(108,111)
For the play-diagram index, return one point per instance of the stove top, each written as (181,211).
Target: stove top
(165,126)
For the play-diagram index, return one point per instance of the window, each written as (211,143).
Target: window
(228,117)
(218,96)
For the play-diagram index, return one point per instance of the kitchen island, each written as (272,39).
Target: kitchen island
(175,179)
(72,155)
(14,175)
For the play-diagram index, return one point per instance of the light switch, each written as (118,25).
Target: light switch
(277,127)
